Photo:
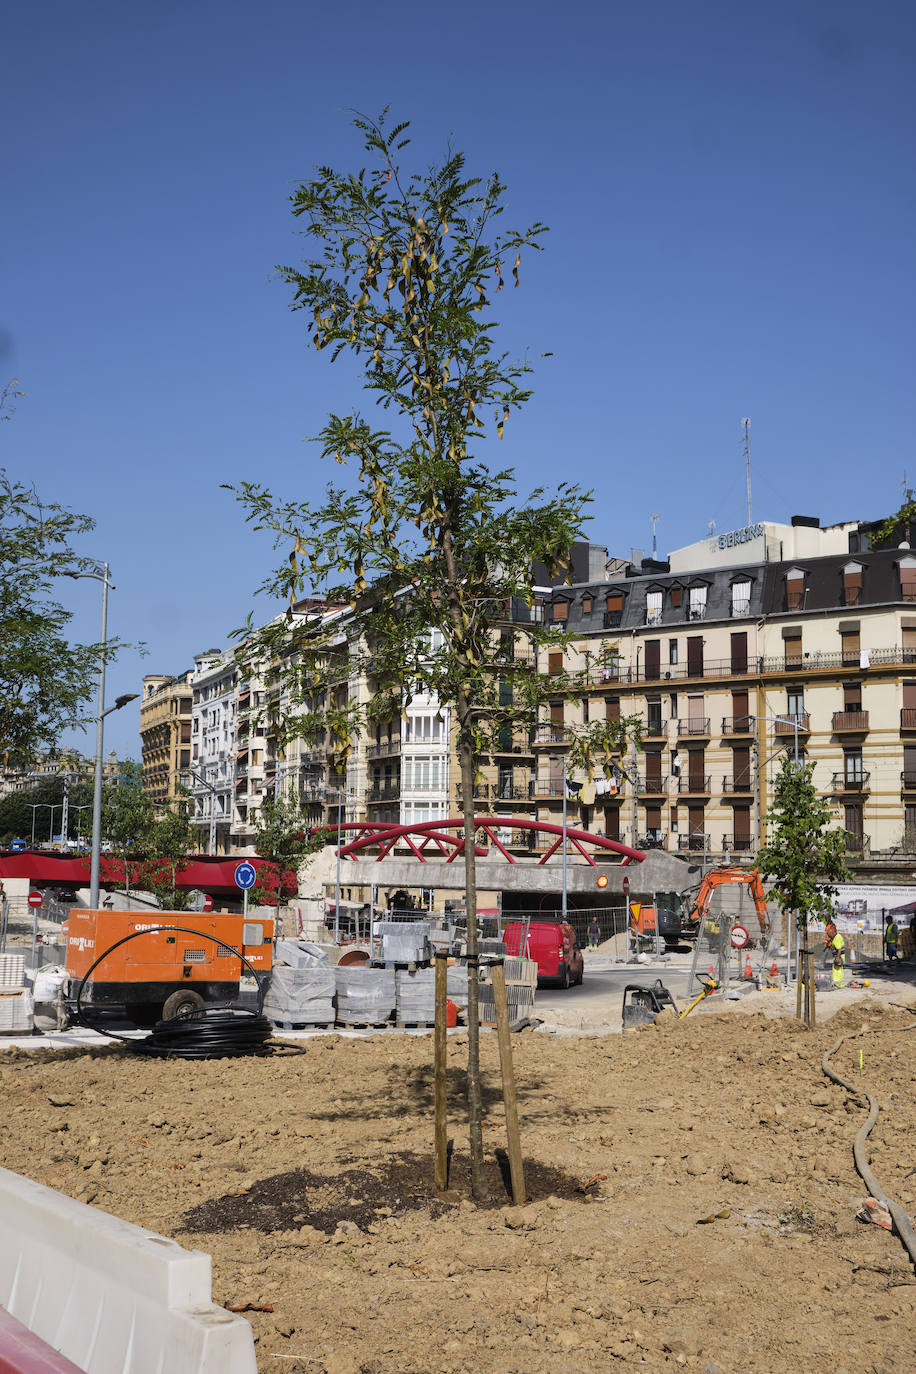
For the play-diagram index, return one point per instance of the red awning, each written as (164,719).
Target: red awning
(216,875)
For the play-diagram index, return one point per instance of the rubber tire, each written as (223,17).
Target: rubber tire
(187,1000)
(564,981)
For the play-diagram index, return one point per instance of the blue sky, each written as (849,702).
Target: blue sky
(731,199)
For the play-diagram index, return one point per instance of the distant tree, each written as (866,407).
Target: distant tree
(16,813)
(281,838)
(803,856)
(46,682)
(148,851)
(429,548)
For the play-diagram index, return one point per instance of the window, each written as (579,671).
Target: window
(851,647)
(854,827)
(556,714)
(741,598)
(908,579)
(795,701)
(560,610)
(852,696)
(425,729)
(653,715)
(612,708)
(695,656)
(697,603)
(677,596)
(696,718)
(909,643)
(586,605)
(792,647)
(852,767)
(555,662)
(614,609)
(610,663)
(739,652)
(672,651)
(852,584)
(653,608)
(612,822)
(795,589)
(653,667)
(740,717)
(424,773)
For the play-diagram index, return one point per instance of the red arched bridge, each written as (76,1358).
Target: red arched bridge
(436,840)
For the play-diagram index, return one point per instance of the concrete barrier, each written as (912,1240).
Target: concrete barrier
(111,1297)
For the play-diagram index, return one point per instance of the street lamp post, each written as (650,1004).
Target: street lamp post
(86,807)
(38,806)
(101,713)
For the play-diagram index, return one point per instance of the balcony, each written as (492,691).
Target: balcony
(656,785)
(655,729)
(612,619)
(698,725)
(383,749)
(908,782)
(697,785)
(549,734)
(850,722)
(741,608)
(482,791)
(786,727)
(698,842)
(382,792)
(733,844)
(737,725)
(653,839)
(857,844)
(506,792)
(856,781)
(743,782)
(548,787)
(908,718)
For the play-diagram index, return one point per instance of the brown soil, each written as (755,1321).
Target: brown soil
(722,1237)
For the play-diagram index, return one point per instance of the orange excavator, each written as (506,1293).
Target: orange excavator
(723,877)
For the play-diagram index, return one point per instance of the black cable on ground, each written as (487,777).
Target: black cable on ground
(215,1033)
(902,1224)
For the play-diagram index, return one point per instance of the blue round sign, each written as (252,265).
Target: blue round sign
(246,875)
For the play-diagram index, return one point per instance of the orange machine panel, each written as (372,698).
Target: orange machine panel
(167,955)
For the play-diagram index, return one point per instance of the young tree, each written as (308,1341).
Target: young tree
(425,539)
(802,856)
(46,682)
(147,851)
(282,838)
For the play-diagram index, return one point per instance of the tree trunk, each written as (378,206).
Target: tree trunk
(479,1188)
(800,973)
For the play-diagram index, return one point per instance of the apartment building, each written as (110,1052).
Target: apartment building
(762,640)
(214,710)
(165,735)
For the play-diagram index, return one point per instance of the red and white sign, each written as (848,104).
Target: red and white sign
(626,887)
(740,937)
(208,902)
(36,898)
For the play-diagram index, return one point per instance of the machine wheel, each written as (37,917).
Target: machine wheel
(564,981)
(185,1001)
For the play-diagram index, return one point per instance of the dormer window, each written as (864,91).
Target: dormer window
(654,608)
(907,579)
(586,605)
(613,610)
(795,589)
(697,610)
(560,610)
(852,584)
(741,598)
(677,596)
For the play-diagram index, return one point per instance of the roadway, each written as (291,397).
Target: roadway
(600,996)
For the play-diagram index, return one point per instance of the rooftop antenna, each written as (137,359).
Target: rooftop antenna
(907,490)
(653,518)
(712,528)
(747,463)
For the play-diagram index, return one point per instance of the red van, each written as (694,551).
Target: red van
(552,945)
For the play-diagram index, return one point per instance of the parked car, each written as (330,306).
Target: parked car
(552,945)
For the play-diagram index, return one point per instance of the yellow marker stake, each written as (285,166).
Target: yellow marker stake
(860,1060)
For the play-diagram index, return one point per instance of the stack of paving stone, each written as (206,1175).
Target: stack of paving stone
(299,954)
(521,982)
(456,980)
(415,991)
(405,942)
(301,996)
(365,996)
(15,998)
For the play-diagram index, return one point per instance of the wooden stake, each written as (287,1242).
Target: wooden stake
(516,1167)
(440,1037)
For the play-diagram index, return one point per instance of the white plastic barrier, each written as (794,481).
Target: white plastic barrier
(113,1298)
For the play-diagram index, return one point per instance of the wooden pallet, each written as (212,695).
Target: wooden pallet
(414,1025)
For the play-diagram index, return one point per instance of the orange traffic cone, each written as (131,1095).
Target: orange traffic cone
(748,971)
(774,970)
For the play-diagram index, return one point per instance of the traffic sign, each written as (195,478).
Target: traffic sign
(17,845)
(36,898)
(602,880)
(207,903)
(740,937)
(246,875)
(626,887)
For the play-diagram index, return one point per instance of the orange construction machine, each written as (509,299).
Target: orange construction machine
(179,960)
(723,877)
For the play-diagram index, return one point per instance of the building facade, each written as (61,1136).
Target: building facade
(165,735)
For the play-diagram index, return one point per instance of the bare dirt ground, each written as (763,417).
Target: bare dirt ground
(720,1235)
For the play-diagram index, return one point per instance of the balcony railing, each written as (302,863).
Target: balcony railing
(741,607)
(549,734)
(736,845)
(547,787)
(737,725)
(850,720)
(655,728)
(757,666)
(852,596)
(383,749)
(857,844)
(483,791)
(693,726)
(505,792)
(698,842)
(612,619)
(785,726)
(653,839)
(908,718)
(654,784)
(743,782)
(695,784)
(386,791)
(908,781)
(855,781)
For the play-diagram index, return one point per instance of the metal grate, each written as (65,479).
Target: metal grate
(195,956)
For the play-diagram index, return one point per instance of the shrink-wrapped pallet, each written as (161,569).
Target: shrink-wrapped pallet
(299,954)
(365,994)
(301,996)
(416,995)
(405,942)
